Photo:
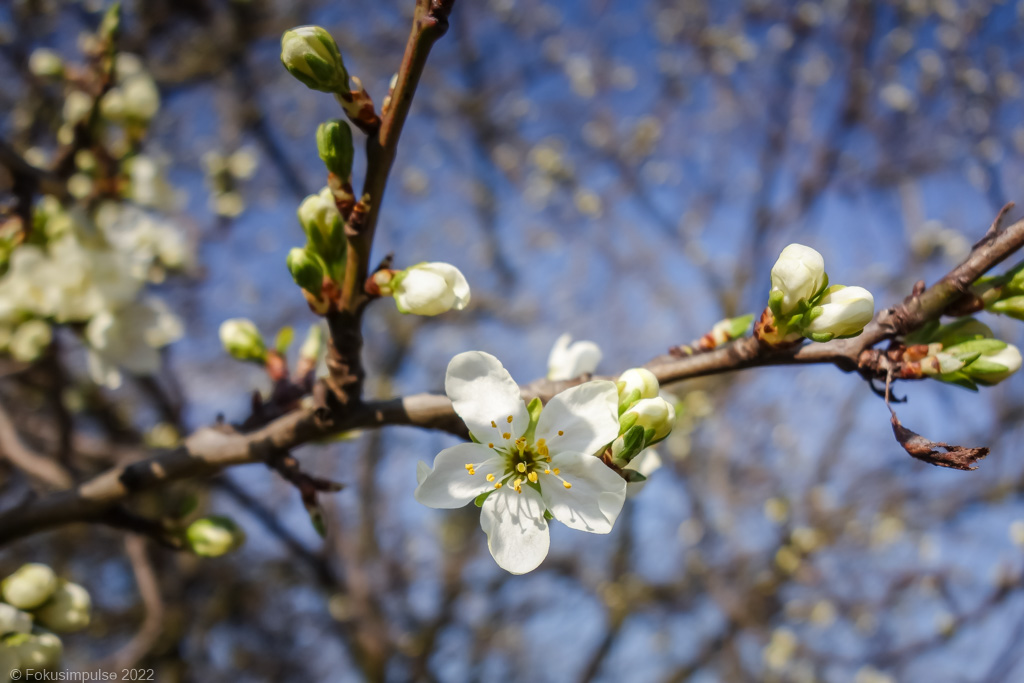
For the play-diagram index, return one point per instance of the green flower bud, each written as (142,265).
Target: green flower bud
(306,270)
(960,331)
(324,227)
(334,142)
(242,340)
(30,586)
(214,536)
(13,620)
(992,368)
(311,55)
(68,610)
(653,414)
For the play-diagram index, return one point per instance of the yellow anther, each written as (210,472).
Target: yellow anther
(490,477)
(532,476)
(490,445)
(560,432)
(521,467)
(542,448)
(547,471)
(509,419)
(469,465)
(540,442)
(557,471)
(494,424)
(498,485)
(566,484)
(506,435)
(471,471)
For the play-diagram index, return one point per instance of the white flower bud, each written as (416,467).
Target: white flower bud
(242,340)
(141,98)
(37,651)
(30,340)
(30,586)
(653,413)
(68,610)
(214,536)
(311,55)
(13,620)
(45,63)
(572,360)
(798,275)
(844,312)
(430,289)
(641,379)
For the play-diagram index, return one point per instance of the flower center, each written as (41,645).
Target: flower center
(525,462)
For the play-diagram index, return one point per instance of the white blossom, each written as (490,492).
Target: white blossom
(430,289)
(526,467)
(567,361)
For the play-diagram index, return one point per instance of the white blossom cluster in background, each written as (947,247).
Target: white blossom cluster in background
(91,272)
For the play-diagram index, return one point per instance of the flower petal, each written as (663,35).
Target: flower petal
(586,415)
(595,498)
(517,533)
(450,485)
(482,391)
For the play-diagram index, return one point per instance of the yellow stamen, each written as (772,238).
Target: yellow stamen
(518,485)
(566,484)
(490,477)
(498,485)
(547,471)
(557,471)
(532,476)
(521,467)
(509,419)
(506,435)
(560,432)
(542,448)
(494,424)
(470,471)
(490,445)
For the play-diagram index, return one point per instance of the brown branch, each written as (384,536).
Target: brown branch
(210,450)
(152,624)
(34,464)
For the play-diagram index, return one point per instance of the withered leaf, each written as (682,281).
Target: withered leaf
(956,457)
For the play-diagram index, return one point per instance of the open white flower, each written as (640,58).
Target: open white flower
(572,360)
(526,467)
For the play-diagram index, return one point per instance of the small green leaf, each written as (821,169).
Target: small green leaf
(479,500)
(284,339)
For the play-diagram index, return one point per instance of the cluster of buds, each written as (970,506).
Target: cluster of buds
(1003,294)
(423,289)
(36,604)
(963,352)
(645,418)
(802,304)
(214,536)
(311,54)
(243,341)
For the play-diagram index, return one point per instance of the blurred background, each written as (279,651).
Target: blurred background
(624,171)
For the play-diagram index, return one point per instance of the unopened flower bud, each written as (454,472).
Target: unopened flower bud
(430,289)
(655,414)
(30,586)
(334,142)
(311,55)
(67,610)
(45,63)
(323,225)
(305,270)
(13,620)
(639,379)
(572,360)
(992,368)
(797,276)
(37,651)
(214,536)
(141,98)
(313,347)
(844,311)
(30,340)
(242,340)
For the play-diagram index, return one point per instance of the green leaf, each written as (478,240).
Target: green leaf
(284,339)
(479,500)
